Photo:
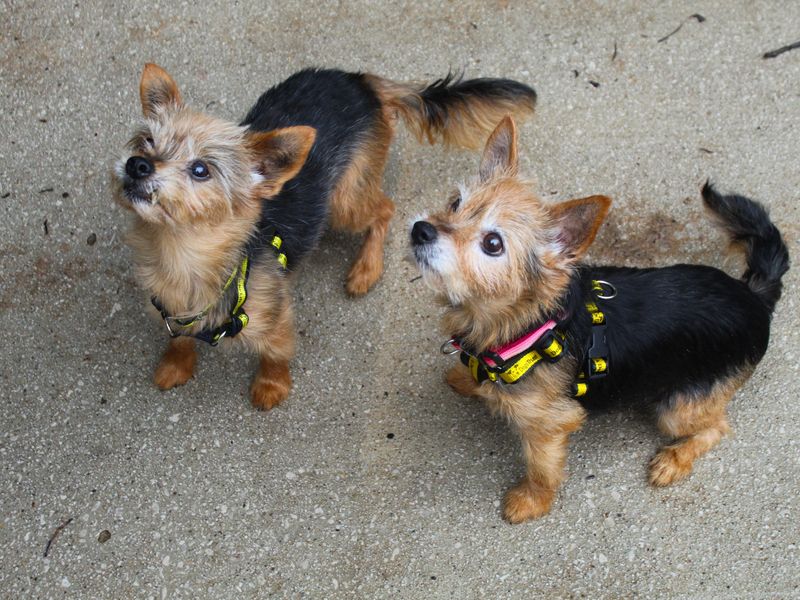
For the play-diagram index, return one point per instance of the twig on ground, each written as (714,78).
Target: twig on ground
(696,16)
(56,533)
(781,50)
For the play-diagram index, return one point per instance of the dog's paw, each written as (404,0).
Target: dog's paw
(363,275)
(522,504)
(171,372)
(266,394)
(461,381)
(667,467)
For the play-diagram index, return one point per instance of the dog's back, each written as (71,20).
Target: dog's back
(343,109)
(691,323)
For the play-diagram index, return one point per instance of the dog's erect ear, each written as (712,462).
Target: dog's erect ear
(157,90)
(500,154)
(280,154)
(577,222)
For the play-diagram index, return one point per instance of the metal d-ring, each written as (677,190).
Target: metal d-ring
(612,293)
(171,333)
(453,349)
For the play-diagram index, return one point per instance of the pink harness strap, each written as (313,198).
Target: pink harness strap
(523,343)
(517,346)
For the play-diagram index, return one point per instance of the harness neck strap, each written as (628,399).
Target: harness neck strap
(238,318)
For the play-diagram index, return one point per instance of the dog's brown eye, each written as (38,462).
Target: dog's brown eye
(199,170)
(149,141)
(455,203)
(492,244)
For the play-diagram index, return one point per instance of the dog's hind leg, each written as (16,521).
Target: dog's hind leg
(698,423)
(359,204)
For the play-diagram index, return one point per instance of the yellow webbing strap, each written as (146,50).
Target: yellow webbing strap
(513,372)
(277,242)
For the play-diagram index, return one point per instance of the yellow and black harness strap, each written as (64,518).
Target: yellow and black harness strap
(597,361)
(550,348)
(238,318)
(276,243)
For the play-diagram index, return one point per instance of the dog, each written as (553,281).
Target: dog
(223,213)
(543,337)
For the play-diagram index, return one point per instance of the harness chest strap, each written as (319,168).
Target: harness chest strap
(511,371)
(511,362)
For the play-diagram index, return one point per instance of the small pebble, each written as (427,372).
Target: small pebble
(104,536)
(91,239)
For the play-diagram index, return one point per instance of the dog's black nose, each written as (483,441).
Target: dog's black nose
(423,233)
(138,167)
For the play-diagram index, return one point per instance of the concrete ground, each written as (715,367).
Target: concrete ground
(374,479)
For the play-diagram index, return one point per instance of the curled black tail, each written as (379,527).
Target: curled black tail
(748,224)
(457,111)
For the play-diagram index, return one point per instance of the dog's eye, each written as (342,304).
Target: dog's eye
(199,170)
(150,141)
(455,203)
(492,244)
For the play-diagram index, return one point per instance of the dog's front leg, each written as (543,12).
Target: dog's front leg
(461,381)
(545,427)
(273,382)
(177,363)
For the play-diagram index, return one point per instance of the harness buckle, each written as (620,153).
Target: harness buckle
(597,355)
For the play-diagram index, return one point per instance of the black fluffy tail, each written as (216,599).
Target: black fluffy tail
(748,224)
(461,112)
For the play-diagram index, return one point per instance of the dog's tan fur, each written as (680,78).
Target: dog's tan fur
(697,424)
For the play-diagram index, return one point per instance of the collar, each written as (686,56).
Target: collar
(237,319)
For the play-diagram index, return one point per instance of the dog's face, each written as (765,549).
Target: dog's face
(183,166)
(496,242)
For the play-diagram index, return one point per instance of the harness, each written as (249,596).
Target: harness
(237,319)
(507,364)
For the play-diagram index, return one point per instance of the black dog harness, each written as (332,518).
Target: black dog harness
(544,343)
(237,320)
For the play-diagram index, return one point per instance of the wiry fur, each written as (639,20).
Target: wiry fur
(311,150)
(683,338)
(456,111)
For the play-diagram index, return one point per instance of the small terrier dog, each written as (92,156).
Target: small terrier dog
(544,337)
(224,212)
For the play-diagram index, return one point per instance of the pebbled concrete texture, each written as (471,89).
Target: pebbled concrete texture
(374,480)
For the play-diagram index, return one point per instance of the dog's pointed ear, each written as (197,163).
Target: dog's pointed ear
(157,89)
(576,222)
(500,154)
(279,155)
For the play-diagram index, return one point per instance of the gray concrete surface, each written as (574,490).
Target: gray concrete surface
(374,480)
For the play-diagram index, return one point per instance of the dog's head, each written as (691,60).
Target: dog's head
(497,244)
(183,166)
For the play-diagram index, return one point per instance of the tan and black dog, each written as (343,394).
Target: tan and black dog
(542,337)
